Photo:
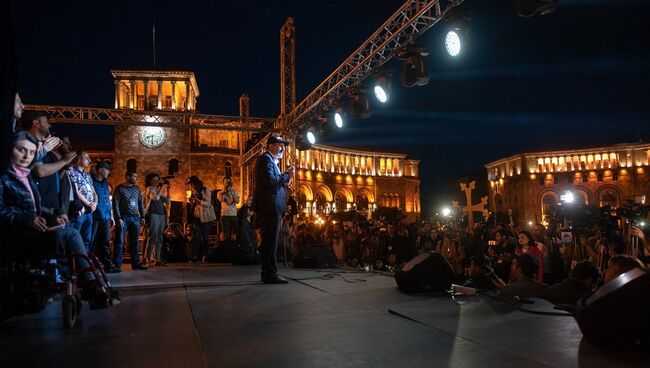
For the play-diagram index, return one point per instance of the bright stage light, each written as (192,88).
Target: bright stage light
(311,137)
(446,212)
(453,42)
(567,197)
(338,120)
(381,94)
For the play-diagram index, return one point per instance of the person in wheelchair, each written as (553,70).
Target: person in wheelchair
(23,221)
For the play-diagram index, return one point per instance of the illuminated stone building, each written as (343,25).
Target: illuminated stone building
(328,178)
(331,179)
(208,154)
(531,184)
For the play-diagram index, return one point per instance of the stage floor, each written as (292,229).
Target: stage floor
(222,316)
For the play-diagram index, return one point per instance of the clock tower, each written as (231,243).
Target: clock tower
(178,151)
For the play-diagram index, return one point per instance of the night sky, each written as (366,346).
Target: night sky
(579,77)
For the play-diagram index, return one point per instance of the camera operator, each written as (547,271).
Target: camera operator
(229,197)
(155,217)
(644,246)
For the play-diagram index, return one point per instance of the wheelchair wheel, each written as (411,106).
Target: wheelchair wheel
(70,311)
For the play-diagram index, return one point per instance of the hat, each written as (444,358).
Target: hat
(103,165)
(276,139)
(192,179)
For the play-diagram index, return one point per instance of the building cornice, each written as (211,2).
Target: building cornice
(573,152)
(357,152)
(157,74)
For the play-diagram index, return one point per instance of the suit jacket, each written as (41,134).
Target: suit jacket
(269,196)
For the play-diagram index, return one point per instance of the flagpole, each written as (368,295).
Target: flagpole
(154,42)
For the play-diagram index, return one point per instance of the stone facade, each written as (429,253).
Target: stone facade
(532,184)
(328,178)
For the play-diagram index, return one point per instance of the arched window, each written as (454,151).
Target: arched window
(321,202)
(228,169)
(608,198)
(132,165)
(341,202)
(362,202)
(172,167)
(549,202)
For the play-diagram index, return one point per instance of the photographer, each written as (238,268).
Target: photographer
(156,217)
(643,245)
(229,197)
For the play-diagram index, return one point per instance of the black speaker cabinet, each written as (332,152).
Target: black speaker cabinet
(429,271)
(617,315)
(315,256)
(176,212)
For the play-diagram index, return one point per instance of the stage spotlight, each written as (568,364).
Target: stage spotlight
(531,8)
(305,139)
(338,119)
(311,136)
(453,43)
(359,104)
(414,67)
(336,116)
(383,85)
(456,38)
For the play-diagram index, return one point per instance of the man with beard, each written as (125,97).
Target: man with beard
(128,210)
(36,123)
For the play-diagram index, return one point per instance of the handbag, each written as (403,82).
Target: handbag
(205,213)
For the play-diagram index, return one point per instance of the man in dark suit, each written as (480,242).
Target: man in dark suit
(269,202)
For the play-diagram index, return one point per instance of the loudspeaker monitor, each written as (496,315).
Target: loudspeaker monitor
(617,315)
(429,271)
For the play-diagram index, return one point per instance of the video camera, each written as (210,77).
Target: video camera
(165,179)
(635,213)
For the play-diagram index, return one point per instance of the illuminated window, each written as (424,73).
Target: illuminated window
(172,167)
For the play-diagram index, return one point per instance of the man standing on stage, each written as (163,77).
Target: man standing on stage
(269,202)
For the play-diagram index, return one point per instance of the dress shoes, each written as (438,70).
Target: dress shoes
(275,280)
(140,267)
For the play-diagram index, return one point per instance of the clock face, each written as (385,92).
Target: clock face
(152,136)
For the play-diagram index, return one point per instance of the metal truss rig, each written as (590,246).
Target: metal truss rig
(412,19)
(119,117)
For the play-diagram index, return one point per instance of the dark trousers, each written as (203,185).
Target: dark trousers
(132,226)
(270,226)
(229,226)
(101,239)
(200,239)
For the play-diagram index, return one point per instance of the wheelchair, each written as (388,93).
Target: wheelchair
(33,271)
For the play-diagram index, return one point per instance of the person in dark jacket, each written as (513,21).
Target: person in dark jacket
(103,217)
(20,209)
(583,279)
(269,203)
(128,211)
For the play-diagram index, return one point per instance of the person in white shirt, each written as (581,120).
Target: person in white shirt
(229,197)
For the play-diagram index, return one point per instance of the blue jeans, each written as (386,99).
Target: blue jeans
(132,226)
(84,225)
(101,240)
(71,241)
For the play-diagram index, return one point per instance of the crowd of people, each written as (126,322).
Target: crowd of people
(560,264)
(48,187)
